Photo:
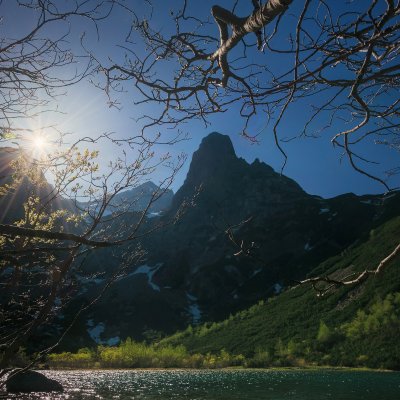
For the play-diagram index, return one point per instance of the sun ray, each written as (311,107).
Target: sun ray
(38,145)
(39,142)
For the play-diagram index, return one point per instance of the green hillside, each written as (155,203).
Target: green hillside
(356,326)
(352,326)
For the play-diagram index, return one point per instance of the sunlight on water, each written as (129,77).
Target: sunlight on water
(223,385)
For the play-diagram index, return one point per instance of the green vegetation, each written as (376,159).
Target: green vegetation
(361,342)
(130,354)
(351,326)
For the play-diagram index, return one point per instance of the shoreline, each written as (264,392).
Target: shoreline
(272,369)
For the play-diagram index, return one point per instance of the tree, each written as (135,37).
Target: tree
(341,63)
(324,335)
(47,230)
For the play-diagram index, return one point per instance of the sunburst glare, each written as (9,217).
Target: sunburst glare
(39,144)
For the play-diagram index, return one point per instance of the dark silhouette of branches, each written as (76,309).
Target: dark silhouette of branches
(323,284)
(48,230)
(37,65)
(41,253)
(340,63)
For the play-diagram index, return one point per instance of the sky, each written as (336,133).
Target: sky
(313,163)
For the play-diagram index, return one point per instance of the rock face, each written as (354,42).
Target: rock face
(194,273)
(231,191)
(32,381)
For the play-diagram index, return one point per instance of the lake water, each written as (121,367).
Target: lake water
(224,385)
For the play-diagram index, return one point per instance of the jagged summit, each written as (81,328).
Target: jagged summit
(232,183)
(216,159)
(220,145)
(214,156)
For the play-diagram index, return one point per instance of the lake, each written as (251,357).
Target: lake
(224,385)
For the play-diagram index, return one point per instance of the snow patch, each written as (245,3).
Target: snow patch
(324,210)
(191,297)
(278,288)
(195,312)
(112,341)
(308,247)
(154,214)
(193,308)
(149,271)
(366,201)
(95,331)
(257,271)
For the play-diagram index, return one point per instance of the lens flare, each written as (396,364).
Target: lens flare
(39,143)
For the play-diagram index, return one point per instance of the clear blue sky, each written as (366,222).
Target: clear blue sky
(313,163)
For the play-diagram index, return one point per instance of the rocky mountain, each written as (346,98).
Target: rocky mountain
(193,272)
(137,199)
(247,234)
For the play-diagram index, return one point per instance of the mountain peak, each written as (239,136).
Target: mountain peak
(217,144)
(214,156)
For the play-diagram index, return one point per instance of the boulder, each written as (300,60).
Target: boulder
(31,381)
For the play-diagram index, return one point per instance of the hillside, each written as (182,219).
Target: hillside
(352,326)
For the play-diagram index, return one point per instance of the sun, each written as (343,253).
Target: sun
(39,144)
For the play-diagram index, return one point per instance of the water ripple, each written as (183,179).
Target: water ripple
(221,385)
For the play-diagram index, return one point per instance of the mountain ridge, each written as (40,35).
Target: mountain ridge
(193,262)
